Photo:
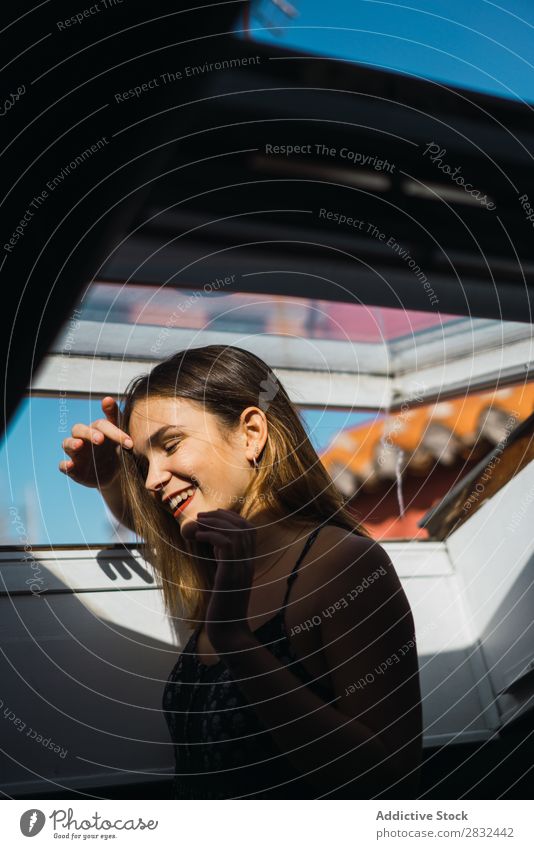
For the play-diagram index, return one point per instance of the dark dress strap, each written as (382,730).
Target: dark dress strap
(294,572)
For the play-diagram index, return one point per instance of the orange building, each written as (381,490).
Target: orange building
(398,466)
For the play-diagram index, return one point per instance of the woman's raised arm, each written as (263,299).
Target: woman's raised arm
(94,458)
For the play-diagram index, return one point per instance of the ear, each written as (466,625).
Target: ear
(255,431)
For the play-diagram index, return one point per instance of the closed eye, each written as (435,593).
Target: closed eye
(170,446)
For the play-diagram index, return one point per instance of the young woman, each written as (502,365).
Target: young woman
(300,679)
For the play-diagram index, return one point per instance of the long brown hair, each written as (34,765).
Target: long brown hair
(291,482)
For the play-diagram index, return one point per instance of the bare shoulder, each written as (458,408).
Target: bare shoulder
(344,561)
(340,548)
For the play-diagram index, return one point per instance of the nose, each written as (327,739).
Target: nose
(157,478)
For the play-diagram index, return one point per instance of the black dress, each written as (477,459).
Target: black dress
(222,749)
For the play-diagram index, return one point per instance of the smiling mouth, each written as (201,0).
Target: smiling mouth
(183,504)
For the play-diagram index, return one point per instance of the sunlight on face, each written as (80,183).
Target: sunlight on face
(184,449)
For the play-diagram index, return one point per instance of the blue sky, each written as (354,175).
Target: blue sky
(475,44)
(52,508)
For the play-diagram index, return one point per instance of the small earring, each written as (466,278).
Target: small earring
(254,458)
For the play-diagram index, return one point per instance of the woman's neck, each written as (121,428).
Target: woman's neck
(274,534)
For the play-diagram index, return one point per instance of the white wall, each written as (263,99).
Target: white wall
(493,557)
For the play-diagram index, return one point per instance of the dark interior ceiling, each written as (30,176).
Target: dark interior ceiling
(184,188)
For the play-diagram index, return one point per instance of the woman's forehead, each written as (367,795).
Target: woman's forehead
(151,413)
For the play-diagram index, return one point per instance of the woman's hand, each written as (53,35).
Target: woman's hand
(234,545)
(94,449)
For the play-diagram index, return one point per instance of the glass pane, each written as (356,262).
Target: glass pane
(116,326)
(237,312)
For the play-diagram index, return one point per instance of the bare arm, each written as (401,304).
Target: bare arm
(93,452)
(112,495)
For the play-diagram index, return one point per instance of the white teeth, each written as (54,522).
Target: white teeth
(176,500)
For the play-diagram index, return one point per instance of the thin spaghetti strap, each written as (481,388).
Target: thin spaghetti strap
(293,574)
